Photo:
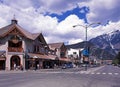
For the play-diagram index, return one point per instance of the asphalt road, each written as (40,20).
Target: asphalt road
(105,76)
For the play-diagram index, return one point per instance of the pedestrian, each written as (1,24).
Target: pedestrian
(14,66)
(38,66)
(21,67)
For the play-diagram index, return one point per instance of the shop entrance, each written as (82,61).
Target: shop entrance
(2,64)
(14,62)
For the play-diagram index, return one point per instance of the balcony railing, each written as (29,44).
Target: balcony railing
(15,49)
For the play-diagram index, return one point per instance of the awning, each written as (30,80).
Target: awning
(65,59)
(40,56)
(2,52)
(2,58)
(2,55)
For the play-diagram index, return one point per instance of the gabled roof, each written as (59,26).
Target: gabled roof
(35,35)
(56,45)
(5,30)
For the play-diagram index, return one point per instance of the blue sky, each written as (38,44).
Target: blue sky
(55,18)
(75,11)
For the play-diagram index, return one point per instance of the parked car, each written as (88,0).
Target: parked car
(65,66)
(83,65)
(69,65)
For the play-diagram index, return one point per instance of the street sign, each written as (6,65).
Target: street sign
(85,52)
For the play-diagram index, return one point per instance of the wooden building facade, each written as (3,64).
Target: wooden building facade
(20,48)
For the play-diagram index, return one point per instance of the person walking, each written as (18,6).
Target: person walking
(21,67)
(14,66)
(38,66)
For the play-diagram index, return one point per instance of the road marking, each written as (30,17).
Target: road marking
(103,73)
(98,73)
(92,73)
(110,73)
(116,73)
(82,72)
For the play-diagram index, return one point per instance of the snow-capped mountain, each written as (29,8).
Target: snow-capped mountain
(105,46)
(109,42)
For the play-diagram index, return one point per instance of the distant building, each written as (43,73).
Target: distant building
(75,55)
(60,50)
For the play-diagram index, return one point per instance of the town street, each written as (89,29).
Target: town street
(104,76)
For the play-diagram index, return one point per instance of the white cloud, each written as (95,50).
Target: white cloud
(46,24)
(74,41)
(55,31)
(2,22)
(110,27)
(103,10)
(64,31)
(66,26)
(18,4)
(100,10)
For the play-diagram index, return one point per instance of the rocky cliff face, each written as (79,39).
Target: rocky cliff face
(104,46)
(109,42)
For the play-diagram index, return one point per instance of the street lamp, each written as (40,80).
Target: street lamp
(86,28)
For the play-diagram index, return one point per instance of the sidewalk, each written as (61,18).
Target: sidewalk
(11,71)
(40,70)
(52,70)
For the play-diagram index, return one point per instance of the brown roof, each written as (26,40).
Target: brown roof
(55,45)
(65,59)
(5,30)
(35,35)
(40,56)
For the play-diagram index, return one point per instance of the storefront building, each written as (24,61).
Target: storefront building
(60,50)
(19,47)
(22,49)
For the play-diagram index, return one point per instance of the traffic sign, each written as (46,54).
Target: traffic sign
(85,52)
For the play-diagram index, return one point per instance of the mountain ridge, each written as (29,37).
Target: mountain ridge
(104,46)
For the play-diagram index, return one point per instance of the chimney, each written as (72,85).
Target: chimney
(14,21)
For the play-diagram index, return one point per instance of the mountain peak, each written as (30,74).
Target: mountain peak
(109,42)
(104,46)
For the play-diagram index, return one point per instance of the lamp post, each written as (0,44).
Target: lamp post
(86,53)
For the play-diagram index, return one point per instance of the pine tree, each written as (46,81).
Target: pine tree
(117,59)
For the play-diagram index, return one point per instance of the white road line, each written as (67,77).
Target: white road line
(83,72)
(92,73)
(98,73)
(116,73)
(110,73)
(103,73)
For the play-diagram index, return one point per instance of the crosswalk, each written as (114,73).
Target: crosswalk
(83,72)
(98,73)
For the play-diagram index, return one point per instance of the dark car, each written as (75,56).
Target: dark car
(65,66)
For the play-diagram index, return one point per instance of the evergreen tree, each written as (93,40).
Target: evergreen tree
(117,59)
